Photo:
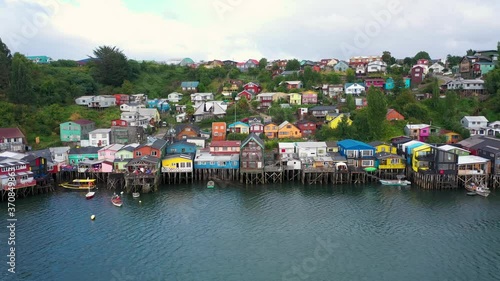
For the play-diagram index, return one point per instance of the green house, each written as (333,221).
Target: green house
(123,156)
(74,131)
(76,155)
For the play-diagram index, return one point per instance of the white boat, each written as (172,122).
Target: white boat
(398,182)
(479,189)
(116,200)
(136,194)
(210,184)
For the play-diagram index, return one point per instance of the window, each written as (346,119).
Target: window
(138,153)
(367,163)
(153,153)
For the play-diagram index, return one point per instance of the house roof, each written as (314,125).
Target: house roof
(417,126)
(184,156)
(83,122)
(100,131)
(472,141)
(347,85)
(206,156)
(12,155)
(11,133)
(179,128)
(311,144)
(329,108)
(349,143)
(114,147)
(448,147)
(190,84)
(331,144)
(471,159)
(476,118)
(292,82)
(182,142)
(376,143)
(59,150)
(147,158)
(159,144)
(254,137)
(491,149)
(226,143)
(285,123)
(238,123)
(286,145)
(84,150)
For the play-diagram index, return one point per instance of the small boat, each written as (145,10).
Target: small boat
(479,189)
(79,184)
(116,200)
(89,194)
(395,182)
(136,194)
(210,184)
(370,169)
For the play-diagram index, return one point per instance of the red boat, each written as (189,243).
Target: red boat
(90,195)
(116,200)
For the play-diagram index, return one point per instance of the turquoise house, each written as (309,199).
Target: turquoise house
(484,67)
(389,83)
(76,155)
(75,131)
(40,59)
(181,147)
(206,160)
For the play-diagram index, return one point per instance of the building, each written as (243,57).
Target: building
(174,97)
(393,115)
(417,75)
(321,111)
(219,131)
(377,66)
(333,120)
(290,85)
(127,135)
(354,88)
(310,149)
(358,154)
(265,99)
(225,147)
(286,130)
(295,98)
(181,147)
(155,148)
(309,97)
(210,110)
(190,86)
(99,138)
(332,90)
(15,174)
(252,153)
(183,131)
(239,128)
(475,124)
(307,128)
(40,59)
(76,155)
(75,131)
(271,130)
(207,160)
(375,82)
(12,139)
(121,99)
(103,101)
(252,87)
(466,86)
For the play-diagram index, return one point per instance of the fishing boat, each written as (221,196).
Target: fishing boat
(479,189)
(136,194)
(116,200)
(210,184)
(89,194)
(398,182)
(79,184)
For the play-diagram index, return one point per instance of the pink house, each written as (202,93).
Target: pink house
(309,97)
(108,152)
(420,132)
(375,82)
(256,126)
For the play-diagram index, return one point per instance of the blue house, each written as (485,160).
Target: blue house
(389,83)
(181,147)
(163,105)
(341,66)
(205,160)
(358,154)
(190,85)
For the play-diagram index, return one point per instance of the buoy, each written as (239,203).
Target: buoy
(140,201)
(92,217)
(121,193)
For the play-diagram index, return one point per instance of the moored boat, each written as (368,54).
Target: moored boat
(210,184)
(479,189)
(398,182)
(79,184)
(136,194)
(90,195)
(116,200)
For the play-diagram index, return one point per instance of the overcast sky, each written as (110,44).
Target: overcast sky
(243,29)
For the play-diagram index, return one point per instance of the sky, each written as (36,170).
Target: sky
(239,30)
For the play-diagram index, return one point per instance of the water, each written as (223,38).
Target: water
(287,232)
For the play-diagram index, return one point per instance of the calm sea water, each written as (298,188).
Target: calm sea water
(287,232)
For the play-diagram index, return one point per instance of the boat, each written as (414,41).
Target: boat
(398,182)
(479,189)
(136,194)
(116,200)
(210,184)
(370,169)
(79,184)
(89,194)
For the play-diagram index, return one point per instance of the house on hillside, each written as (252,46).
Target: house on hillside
(376,67)
(321,111)
(99,138)
(12,139)
(475,124)
(417,75)
(341,66)
(309,97)
(354,88)
(286,130)
(190,86)
(174,97)
(75,131)
(307,128)
(358,154)
(210,110)
(333,120)
(252,88)
(265,99)
(393,115)
(219,131)
(239,128)
(103,101)
(375,82)
(199,98)
(245,94)
(290,85)
(182,131)
(271,130)
(332,90)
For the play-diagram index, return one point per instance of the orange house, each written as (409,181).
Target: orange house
(155,149)
(286,130)
(219,131)
(271,131)
(451,137)
(392,114)
(183,131)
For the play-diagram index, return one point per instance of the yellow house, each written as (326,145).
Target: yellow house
(389,161)
(286,130)
(177,163)
(271,131)
(295,98)
(333,121)
(452,137)
(421,164)
(383,147)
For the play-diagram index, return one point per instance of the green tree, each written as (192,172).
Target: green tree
(470,52)
(5,64)
(262,63)
(234,73)
(388,58)
(436,94)
(350,103)
(293,64)
(21,87)
(377,110)
(111,66)
(492,81)
(127,88)
(421,55)
(399,84)
(453,60)
(350,75)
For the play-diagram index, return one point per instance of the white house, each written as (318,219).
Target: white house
(84,100)
(131,107)
(103,101)
(437,68)
(174,97)
(199,98)
(286,149)
(150,113)
(475,124)
(99,137)
(376,66)
(310,149)
(332,90)
(60,154)
(354,88)
(179,118)
(138,98)
(360,69)
(210,109)
(135,119)
(465,84)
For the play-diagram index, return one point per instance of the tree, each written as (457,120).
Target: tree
(350,103)
(111,66)
(408,61)
(492,81)
(350,75)
(436,94)
(453,60)
(421,55)
(234,73)
(388,58)
(399,84)
(377,111)
(292,65)
(262,63)
(470,52)
(5,64)
(21,87)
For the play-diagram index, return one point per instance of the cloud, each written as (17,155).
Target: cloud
(239,30)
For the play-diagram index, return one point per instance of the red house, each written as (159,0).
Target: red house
(252,87)
(225,147)
(316,68)
(392,114)
(375,82)
(246,94)
(121,99)
(119,123)
(417,75)
(307,128)
(423,62)
(17,174)
(256,126)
